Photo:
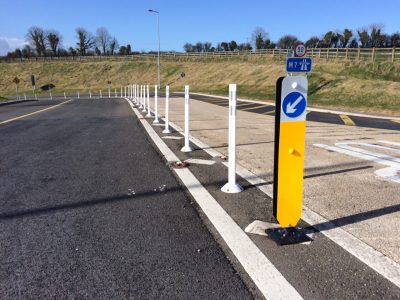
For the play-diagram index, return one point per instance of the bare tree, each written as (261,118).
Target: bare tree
(258,37)
(36,38)
(113,45)
(103,39)
(207,46)
(86,41)
(313,42)
(54,40)
(188,47)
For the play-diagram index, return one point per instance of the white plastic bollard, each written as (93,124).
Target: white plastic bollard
(65,96)
(115,92)
(51,96)
(35,96)
(78,95)
(90,94)
(156,121)
(148,102)
(101,96)
(186,147)
(109,92)
(140,97)
(144,99)
(231,186)
(24,96)
(121,93)
(166,130)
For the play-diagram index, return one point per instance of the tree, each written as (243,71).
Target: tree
(122,50)
(113,45)
(363,36)
(36,38)
(97,51)
(347,35)
(54,40)
(224,46)
(313,42)
(128,49)
(188,47)
(86,41)
(72,51)
(198,47)
(244,47)
(233,46)
(377,38)
(207,46)
(287,41)
(103,39)
(27,51)
(395,39)
(258,37)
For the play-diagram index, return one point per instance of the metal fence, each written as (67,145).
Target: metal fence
(345,54)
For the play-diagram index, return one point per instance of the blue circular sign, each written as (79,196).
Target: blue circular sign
(294,105)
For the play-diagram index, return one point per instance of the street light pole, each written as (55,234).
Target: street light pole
(158,56)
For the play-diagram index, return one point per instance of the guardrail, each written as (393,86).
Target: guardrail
(347,54)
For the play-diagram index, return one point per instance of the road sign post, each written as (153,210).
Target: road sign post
(16,80)
(186,147)
(290,128)
(231,186)
(156,121)
(166,129)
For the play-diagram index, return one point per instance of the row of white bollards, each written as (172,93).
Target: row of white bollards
(140,95)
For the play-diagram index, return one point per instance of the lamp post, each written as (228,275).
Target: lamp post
(158,57)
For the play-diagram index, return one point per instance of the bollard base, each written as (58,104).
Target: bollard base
(288,236)
(166,131)
(156,122)
(148,115)
(186,149)
(232,188)
(144,110)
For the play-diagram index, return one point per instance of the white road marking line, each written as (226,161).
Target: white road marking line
(167,137)
(267,278)
(390,143)
(200,161)
(368,255)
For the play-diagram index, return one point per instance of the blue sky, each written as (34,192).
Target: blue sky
(191,21)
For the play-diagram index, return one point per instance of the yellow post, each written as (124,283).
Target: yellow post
(290,129)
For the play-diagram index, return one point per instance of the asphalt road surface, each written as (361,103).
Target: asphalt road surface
(90,210)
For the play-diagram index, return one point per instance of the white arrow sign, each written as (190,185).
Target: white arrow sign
(291,107)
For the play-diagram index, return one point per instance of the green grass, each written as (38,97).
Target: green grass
(354,86)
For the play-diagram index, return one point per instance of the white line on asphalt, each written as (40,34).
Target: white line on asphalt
(267,278)
(167,137)
(368,255)
(336,112)
(390,143)
(197,161)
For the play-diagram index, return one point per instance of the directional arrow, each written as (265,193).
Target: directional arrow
(291,107)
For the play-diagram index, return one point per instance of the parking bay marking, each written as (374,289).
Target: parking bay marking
(391,172)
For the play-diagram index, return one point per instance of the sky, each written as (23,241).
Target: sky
(184,21)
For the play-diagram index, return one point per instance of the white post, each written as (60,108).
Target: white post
(65,96)
(109,92)
(232,186)
(156,121)
(115,92)
(166,130)
(134,93)
(144,99)
(186,147)
(101,96)
(140,97)
(35,96)
(121,93)
(78,95)
(125,91)
(51,96)
(90,94)
(148,102)
(24,96)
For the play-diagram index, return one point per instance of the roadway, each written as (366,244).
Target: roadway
(90,210)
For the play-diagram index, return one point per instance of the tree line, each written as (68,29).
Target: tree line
(42,43)
(367,37)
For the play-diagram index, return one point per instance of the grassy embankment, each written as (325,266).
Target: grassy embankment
(361,87)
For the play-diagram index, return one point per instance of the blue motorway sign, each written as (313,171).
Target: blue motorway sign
(298,64)
(294,105)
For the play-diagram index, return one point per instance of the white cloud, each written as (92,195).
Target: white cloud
(10,44)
